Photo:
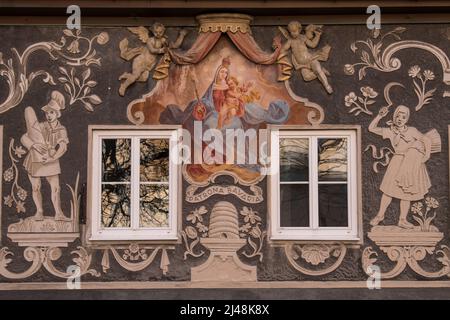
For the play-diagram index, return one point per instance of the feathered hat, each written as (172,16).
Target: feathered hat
(56,103)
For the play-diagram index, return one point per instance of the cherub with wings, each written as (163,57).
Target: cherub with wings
(302,58)
(145,57)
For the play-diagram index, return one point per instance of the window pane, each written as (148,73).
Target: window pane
(154,160)
(294,159)
(332,159)
(333,205)
(154,206)
(116,160)
(294,205)
(116,205)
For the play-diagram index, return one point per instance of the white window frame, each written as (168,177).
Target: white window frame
(314,232)
(135,232)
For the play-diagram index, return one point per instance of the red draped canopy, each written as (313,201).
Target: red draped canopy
(204,43)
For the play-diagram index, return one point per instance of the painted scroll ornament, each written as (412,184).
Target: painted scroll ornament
(408,254)
(44,257)
(407,247)
(19,78)
(381,59)
(136,258)
(315,255)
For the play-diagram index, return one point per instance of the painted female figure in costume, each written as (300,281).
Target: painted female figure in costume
(406,177)
(47,142)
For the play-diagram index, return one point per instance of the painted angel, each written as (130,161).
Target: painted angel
(144,58)
(302,58)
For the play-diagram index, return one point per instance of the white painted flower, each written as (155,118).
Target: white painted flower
(250,215)
(428,75)
(417,208)
(197,215)
(368,92)
(74,47)
(349,69)
(431,202)
(414,71)
(350,99)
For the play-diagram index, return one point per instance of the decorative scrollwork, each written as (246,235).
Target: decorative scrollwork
(315,254)
(135,253)
(83,261)
(16,70)
(44,257)
(382,59)
(408,256)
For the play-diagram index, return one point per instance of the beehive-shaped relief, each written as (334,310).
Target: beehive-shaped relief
(224,222)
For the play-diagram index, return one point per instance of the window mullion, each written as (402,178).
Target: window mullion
(98,174)
(350,185)
(135,162)
(314,188)
(275,180)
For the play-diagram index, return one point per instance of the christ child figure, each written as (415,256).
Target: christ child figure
(234,101)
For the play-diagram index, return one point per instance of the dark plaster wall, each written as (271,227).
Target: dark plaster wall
(113,111)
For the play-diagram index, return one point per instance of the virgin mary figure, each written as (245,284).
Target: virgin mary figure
(208,108)
(211,107)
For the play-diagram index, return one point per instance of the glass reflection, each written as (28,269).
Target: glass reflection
(294,159)
(332,159)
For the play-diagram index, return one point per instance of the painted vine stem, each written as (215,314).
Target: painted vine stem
(380,59)
(18,194)
(252,230)
(19,78)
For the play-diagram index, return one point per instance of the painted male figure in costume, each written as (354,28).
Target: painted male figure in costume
(47,143)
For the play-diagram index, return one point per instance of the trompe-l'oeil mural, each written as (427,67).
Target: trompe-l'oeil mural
(227,76)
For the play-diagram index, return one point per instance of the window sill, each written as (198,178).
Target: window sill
(141,238)
(281,238)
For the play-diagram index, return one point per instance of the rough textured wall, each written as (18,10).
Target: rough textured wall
(403,254)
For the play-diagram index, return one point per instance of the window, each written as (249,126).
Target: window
(134,185)
(314,185)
